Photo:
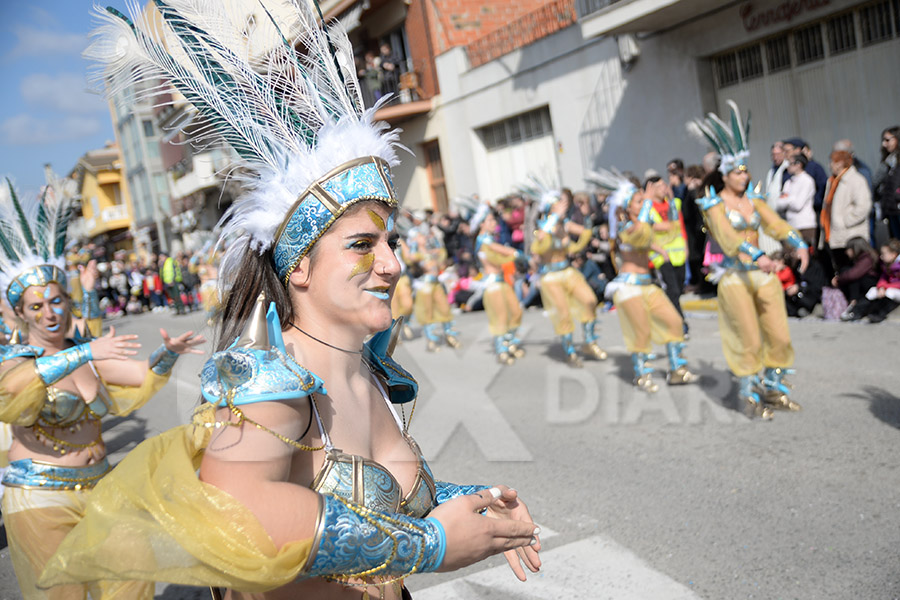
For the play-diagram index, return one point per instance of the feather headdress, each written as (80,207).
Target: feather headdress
(730,140)
(620,191)
(33,238)
(539,190)
(282,93)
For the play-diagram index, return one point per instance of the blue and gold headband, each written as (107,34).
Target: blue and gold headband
(41,275)
(367,178)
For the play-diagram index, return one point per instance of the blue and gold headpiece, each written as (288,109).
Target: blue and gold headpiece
(33,239)
(284,95)
(324,201)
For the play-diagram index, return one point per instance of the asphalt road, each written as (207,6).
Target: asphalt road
(675,495)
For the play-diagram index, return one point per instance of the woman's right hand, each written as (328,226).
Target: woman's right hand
(114,347)
(472,537)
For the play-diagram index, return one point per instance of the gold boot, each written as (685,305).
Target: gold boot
(452,341)
(574,360)
(780,401)
(681,376)
(645,382)
(516,351)
(432,346)
(505,359)
(594,351)
(758,410)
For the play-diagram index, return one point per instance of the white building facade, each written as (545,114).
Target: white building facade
(617,88)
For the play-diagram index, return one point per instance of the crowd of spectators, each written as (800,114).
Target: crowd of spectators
(131,284)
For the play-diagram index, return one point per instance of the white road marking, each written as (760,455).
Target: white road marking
(594,568)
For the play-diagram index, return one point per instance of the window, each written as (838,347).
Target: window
(841,34)
(533,124)
(439,199)
(750,61)
(148,128)
(875,23)
(726,69)
(808,44)
(778,54)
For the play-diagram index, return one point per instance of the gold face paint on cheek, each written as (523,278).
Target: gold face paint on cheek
(363,265)
(376,218)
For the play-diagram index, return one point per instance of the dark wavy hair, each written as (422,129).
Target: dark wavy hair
(860,247)
(894,131)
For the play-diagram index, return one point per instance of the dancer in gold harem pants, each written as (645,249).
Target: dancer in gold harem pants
(752,317)
(565,293)
(645,312)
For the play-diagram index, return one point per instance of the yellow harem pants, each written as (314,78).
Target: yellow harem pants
(502,307)
(36,523)
(402,301)
(567,295)
(753,322)
(647,315)
(431,305)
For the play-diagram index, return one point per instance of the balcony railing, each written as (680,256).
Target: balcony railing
(525,30)
(403,89)
(589,7)
(114,213)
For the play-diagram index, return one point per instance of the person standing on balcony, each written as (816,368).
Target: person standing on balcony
(390,70)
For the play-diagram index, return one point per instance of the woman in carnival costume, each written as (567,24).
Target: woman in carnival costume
(645,311)
(54,391)
(752,316)
(503,310)
(431,307)
(297,477)
(402,299)
(566,295)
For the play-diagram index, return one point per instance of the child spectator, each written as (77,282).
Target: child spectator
(885,296)
(862,274)
(803,296)
(785,273)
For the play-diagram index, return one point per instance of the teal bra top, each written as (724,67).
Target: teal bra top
(63,408)
(738,221)
(368,483)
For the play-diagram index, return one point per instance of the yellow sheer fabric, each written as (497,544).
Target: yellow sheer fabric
(42,519)
(152,519)
(730,239)
(21,407)
(402,300)
(772,224)
(581,243)
(542,243)
(646,314)
(502,307)
(95,326)
(753,322)
(128,399)
(566,296)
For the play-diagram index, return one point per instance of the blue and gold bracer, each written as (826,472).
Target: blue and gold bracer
(354,541)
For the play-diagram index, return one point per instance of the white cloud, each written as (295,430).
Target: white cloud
(66,92)
(27,130)
(43,42)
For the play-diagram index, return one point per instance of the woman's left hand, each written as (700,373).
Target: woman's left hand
(184,343)
(508,506)
(88,275)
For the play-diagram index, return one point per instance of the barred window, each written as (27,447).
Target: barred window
(841,34)
(808,44)
(726,69)
(778,54)
(875,22)
(525,126)
(750,61)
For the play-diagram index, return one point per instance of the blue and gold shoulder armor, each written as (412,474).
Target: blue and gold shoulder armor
(19,351)
(251,375)
(709,200)
(377,354)
(255,368)
(755,193)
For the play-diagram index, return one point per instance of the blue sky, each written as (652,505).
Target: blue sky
(47,113)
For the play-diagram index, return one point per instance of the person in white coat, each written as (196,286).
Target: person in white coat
(795,203)
(845,212)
